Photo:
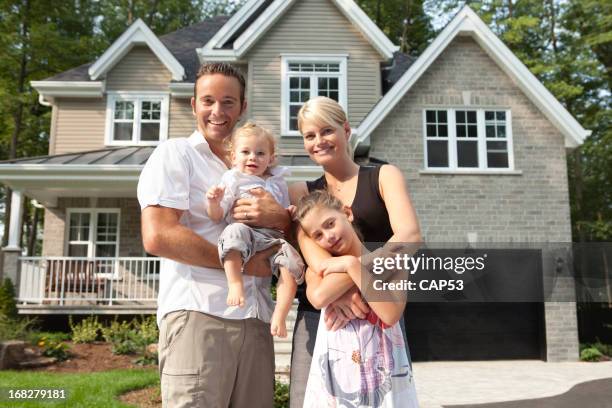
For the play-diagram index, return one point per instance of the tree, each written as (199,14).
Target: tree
(405,22)
(161,16)
(37,39)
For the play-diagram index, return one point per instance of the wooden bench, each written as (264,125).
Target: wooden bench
(77,276)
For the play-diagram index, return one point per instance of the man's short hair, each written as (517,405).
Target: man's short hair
(223,68)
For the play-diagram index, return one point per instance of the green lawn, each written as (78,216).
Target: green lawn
(84,390)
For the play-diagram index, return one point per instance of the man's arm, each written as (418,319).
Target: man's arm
(163,235)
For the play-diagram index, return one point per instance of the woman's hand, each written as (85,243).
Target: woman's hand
(337,264)
(262,210)
(334,320)
(347,307)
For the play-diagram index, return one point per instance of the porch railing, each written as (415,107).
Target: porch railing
(95,281)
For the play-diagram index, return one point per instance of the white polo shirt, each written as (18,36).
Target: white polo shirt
(177,175)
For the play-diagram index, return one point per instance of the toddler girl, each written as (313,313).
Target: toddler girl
(252,155)
(365,363)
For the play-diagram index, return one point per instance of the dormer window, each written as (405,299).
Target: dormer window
(136,119)
(307,76)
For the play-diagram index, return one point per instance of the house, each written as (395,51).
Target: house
(480,140)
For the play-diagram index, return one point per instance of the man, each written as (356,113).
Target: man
(210,355)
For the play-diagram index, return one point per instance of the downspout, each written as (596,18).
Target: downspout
(42,101)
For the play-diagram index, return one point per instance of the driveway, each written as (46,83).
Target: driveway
(444,384)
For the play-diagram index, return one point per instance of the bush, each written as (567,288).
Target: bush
(52,347)
(146,328)
(281,395)
(146,333)
(121,336)
(133,338)
(590,354)
(87,331)
(8,306)
(605,349)
(16,329)
(36,337)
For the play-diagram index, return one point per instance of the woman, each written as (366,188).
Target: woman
(382,211)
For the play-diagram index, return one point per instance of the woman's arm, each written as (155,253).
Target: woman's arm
(405,226)
(402,216)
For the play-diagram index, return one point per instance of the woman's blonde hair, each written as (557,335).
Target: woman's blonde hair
(253,129)
(323,111)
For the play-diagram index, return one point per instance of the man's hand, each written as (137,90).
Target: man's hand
(259,264)
(347,307)
(262,210)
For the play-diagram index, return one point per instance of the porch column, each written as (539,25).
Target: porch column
(13,250)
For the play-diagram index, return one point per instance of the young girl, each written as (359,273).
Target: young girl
(252,154)
(364,364)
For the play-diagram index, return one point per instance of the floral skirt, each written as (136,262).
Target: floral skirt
(362,365)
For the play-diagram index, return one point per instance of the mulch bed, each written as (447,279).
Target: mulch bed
(87,358)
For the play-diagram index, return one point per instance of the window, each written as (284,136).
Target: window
(136,119)
(93,233)
(470,139)
(304,77)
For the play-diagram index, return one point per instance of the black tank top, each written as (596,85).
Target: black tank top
(369,213)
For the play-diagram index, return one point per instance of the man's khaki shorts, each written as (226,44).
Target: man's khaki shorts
(208,361)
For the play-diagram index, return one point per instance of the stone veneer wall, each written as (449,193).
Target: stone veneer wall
(530,207)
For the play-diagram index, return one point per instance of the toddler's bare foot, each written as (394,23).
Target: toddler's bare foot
(277,326)
(235,295)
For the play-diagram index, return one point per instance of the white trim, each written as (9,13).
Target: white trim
(181,90)
(82,89)
(472,172)
(137,98)
(41,174)
(137,33)
(233,24)
(467,22)
(481,140)
(93,226)
(270,16)
(249,37)
(287,59)
(15,220)
(261,25)
(368,28)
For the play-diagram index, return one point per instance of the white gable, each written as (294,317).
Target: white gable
(466,22)
(268,18)
(138,33)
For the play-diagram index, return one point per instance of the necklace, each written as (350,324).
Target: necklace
(337,187)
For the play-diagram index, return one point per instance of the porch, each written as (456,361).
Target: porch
(75,285)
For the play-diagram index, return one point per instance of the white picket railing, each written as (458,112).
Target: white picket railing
(101,281)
